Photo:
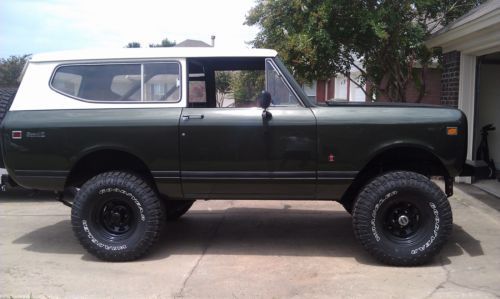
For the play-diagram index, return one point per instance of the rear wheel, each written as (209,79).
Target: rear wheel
(116,216)
(402,218)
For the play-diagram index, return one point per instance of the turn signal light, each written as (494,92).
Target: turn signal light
(452,131)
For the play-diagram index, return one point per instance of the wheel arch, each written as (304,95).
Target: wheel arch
(101,160)
(408,157)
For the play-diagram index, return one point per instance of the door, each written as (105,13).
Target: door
(233,152)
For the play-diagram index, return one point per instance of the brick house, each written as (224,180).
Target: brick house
(340,88)
(471,72)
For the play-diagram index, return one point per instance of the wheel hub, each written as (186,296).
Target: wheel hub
(116,217)
(402,219)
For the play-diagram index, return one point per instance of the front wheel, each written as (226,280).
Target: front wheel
(402,218)
(116,216)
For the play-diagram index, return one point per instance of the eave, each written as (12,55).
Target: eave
(476,34)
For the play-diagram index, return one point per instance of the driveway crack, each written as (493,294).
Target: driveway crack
(450,281)
(447,279)
(214,232)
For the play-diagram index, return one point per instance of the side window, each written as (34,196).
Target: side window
(161,82)
(239,89)
(67,83)
(127,86)
(275,85)
(145,82)
(225,82)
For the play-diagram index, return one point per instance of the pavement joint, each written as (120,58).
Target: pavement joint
(180,294)
(484,290)
(447,278)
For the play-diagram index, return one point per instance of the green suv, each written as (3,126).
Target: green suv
(140,134)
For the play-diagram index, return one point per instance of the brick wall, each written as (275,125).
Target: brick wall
(433,89)
(320,91)
(450,78)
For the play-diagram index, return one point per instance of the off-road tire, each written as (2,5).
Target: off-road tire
(389,201)
(117,216)
(6,96)
(174,209)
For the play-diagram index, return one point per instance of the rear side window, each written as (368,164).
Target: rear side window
(141,82)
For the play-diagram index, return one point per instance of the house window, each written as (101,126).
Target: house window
(356,93)
(341,88)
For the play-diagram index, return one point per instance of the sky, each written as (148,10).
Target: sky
(35,26)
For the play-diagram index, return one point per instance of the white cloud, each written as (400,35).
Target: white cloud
(38,26)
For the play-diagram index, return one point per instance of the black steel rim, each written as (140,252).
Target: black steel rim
(116,217)
(402,220)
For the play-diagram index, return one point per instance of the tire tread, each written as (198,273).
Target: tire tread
(369,195)
(150,201)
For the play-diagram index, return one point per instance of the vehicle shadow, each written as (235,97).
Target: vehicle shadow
(249,231)
(484,197)
(25,195)
(461,242)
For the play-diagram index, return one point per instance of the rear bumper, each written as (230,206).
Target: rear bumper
(6,182)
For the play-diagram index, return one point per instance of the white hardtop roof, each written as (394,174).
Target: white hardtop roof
(150,53)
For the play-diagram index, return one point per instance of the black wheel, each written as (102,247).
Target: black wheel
(174,209)
(402,218)
(117,216)
(6,97)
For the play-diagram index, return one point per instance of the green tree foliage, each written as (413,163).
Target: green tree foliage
(133,45)
(10,70)
(164,43)
(223,81)
(318,39)
(247,86)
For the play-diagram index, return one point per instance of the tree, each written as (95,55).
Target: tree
(133,45)
(223,81)
(10,70)
(164,43)
(247,86)
(319,39)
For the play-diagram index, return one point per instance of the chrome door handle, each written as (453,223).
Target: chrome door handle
(193,116)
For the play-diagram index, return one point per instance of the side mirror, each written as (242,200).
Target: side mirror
(265,101)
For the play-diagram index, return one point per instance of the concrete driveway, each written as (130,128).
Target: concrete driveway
(249,249)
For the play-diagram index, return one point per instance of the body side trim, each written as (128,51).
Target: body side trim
(337,175)
(248,175)
(41,173)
